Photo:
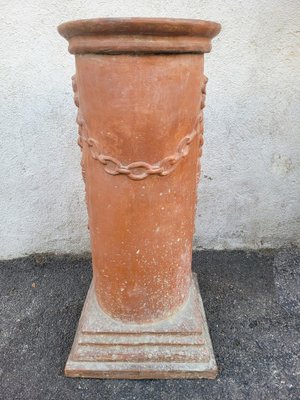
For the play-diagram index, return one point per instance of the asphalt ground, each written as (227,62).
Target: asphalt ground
(252,305)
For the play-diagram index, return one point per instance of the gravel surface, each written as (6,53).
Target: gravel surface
(252,306)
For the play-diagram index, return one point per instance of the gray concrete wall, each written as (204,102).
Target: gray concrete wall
(249,193)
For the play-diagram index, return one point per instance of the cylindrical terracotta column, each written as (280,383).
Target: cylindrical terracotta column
(140,89)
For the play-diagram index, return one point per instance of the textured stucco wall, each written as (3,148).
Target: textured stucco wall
(249,192)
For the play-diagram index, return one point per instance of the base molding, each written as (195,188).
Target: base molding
(179,347)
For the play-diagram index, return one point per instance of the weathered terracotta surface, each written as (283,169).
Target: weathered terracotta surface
(178,347)
(140,90)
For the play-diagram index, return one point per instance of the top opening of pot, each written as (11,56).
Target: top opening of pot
(127,35)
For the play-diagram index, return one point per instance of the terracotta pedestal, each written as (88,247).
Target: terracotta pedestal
(140,90)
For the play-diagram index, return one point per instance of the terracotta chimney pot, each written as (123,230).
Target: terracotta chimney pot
(140,89)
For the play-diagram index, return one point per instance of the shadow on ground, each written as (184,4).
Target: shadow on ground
(252,306)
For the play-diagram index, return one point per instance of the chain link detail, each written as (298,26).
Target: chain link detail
(139,170)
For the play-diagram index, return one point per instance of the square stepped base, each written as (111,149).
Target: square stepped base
(179,347)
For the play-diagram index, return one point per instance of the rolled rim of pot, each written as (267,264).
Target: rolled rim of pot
(139,35)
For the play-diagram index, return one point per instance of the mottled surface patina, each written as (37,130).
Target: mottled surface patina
(140,91)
